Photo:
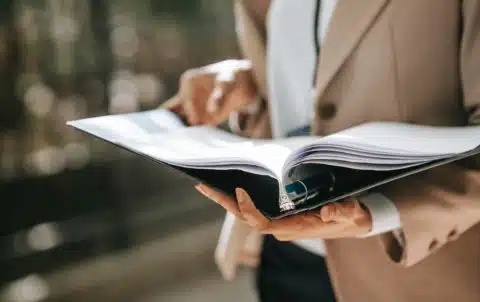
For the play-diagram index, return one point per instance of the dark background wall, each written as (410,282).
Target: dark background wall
(65,197)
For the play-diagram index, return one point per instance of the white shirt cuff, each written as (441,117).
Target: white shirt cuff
(385,216)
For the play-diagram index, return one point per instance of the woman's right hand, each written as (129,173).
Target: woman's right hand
(207,95)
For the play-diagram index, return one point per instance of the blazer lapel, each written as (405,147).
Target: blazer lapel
(350,21)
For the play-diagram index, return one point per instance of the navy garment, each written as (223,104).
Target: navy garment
(300,131)
(289,273)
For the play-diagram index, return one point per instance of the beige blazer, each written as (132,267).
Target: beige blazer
(415,61)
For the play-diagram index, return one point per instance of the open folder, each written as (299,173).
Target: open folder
(287,176)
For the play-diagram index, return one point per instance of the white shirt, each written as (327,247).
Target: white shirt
(291,61)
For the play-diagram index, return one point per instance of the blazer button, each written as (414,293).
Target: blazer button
(327,111)
(452,235)
(433,245)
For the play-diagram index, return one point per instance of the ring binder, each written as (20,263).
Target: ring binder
(306,193)
(286,204)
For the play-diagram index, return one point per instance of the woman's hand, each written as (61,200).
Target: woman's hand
(207,95)
(336,220)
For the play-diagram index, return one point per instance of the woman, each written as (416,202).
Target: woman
(407,61)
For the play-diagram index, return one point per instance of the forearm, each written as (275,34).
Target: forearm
(257,10)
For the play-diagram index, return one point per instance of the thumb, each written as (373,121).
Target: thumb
(222,88)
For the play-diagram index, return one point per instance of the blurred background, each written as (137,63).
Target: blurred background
(81,220)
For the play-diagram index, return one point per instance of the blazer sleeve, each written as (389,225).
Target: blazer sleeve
(251,39)
(439,205)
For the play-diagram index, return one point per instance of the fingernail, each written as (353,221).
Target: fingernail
(201,189)
(340,212)
(328,212)
(332,210)
(240,195)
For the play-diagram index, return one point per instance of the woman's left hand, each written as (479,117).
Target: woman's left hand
(346,218)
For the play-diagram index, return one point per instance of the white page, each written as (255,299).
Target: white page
(360,165)
(138,125)
(206,147)
(161,135)
(387,146)
(399,138)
